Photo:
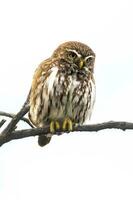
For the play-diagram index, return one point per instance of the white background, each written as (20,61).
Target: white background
(79,165)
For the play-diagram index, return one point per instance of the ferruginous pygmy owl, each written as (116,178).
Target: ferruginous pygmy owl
(63,89)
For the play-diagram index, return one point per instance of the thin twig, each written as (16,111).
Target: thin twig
(14,121)
(2,122)
(10,127)
(10,115)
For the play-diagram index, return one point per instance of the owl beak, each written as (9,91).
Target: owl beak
(81,64)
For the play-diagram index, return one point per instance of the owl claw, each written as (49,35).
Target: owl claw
(67,125)
(54,125)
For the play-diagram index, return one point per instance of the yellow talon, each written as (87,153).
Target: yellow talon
(52,128)
(67,124)
(57,125)
(54,125)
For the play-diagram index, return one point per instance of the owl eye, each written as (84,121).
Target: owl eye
(89,59)
(72,55)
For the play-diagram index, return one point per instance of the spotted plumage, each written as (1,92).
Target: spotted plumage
(63,88)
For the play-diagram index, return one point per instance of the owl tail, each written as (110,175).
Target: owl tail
(43,140)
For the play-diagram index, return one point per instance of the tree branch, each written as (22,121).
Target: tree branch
(18,134)
(10,132)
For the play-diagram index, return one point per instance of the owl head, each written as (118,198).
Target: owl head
(77,55)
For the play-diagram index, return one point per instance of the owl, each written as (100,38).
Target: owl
(63,89)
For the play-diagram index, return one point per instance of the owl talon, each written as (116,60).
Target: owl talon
(67,125)
(54,125)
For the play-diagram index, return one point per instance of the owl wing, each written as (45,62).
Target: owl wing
(93,96)
(42,86)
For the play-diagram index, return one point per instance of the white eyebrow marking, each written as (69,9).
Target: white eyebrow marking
(90,56)
(72,50)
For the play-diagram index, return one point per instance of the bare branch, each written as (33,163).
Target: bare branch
(18,134)
(10,132)
(10,115)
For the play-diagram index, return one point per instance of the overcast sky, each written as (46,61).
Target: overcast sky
(75,166)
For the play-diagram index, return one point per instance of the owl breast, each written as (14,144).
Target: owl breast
(60,95)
